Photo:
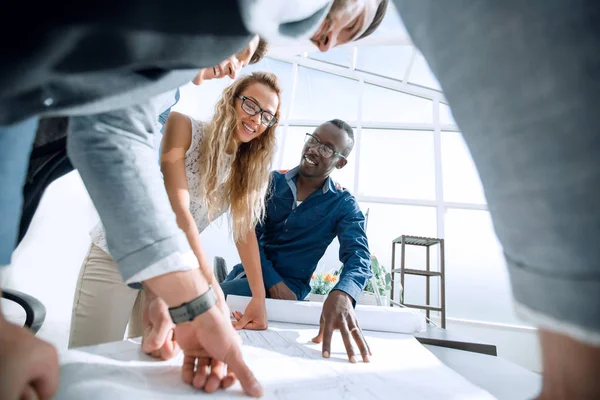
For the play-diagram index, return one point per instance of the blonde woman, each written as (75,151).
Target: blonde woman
(208,168)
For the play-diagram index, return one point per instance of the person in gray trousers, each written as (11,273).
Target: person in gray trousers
(522,78)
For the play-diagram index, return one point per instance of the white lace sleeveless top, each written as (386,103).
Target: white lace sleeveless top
(192,168)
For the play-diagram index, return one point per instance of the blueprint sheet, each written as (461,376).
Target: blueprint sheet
(284,360)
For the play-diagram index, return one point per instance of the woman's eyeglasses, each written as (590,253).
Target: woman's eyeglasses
(250,107)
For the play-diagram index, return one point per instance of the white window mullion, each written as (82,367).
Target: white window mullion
(358,135)
(409,66)
(439,183)
(287,115)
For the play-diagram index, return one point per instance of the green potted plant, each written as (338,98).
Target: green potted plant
(320,286)
(384,283)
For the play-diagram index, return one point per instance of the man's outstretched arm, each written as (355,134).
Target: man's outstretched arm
(338,309)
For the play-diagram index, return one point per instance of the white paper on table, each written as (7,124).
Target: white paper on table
(371,318)
(284,360)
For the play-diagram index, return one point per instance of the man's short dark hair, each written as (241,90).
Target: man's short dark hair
(260,52)
(348,129)
(379,15)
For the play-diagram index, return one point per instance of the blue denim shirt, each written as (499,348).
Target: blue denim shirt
(293,238)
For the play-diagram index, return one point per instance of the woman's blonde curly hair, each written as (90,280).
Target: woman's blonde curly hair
(243,192)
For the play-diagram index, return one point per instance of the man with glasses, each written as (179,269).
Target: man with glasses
(305,211)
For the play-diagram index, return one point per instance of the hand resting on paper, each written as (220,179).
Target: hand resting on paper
(338,313)
(280,291)
(254,317)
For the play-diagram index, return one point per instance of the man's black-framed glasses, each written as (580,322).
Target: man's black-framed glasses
(250,107)
(325,151)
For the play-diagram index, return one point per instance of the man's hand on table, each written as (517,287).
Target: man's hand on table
(209,342)
(282,292)
(338,313)
(254,317)
(28,366)
(158,339)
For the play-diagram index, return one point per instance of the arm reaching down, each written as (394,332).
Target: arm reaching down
(177,140)
(255,315)
(338,311)
(273,280)
(354,250)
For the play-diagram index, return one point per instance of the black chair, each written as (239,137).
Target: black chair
(34,309)
(220,268)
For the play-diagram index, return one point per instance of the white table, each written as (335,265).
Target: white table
(502,378)
(290,367)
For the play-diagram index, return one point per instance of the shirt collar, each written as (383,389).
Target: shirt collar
(327,186)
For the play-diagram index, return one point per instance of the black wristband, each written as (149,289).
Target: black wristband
(188,311)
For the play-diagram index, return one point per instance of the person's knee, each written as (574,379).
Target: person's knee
(236,287)
(227,287)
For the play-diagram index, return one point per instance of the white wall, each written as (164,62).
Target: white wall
(46,263)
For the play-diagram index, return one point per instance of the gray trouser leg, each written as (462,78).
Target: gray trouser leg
(115,155)
(523,81)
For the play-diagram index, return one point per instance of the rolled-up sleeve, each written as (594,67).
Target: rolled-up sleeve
(354,250)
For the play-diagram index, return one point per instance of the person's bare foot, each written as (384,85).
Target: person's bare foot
(571,368)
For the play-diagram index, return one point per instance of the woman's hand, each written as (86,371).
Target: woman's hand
(254,317)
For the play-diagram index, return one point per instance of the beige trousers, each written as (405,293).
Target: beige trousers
(103,303)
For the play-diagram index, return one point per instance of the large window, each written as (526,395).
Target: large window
(475,264)
(397,164)
(388,61)
(385,105)
(321,96)
(461,180)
